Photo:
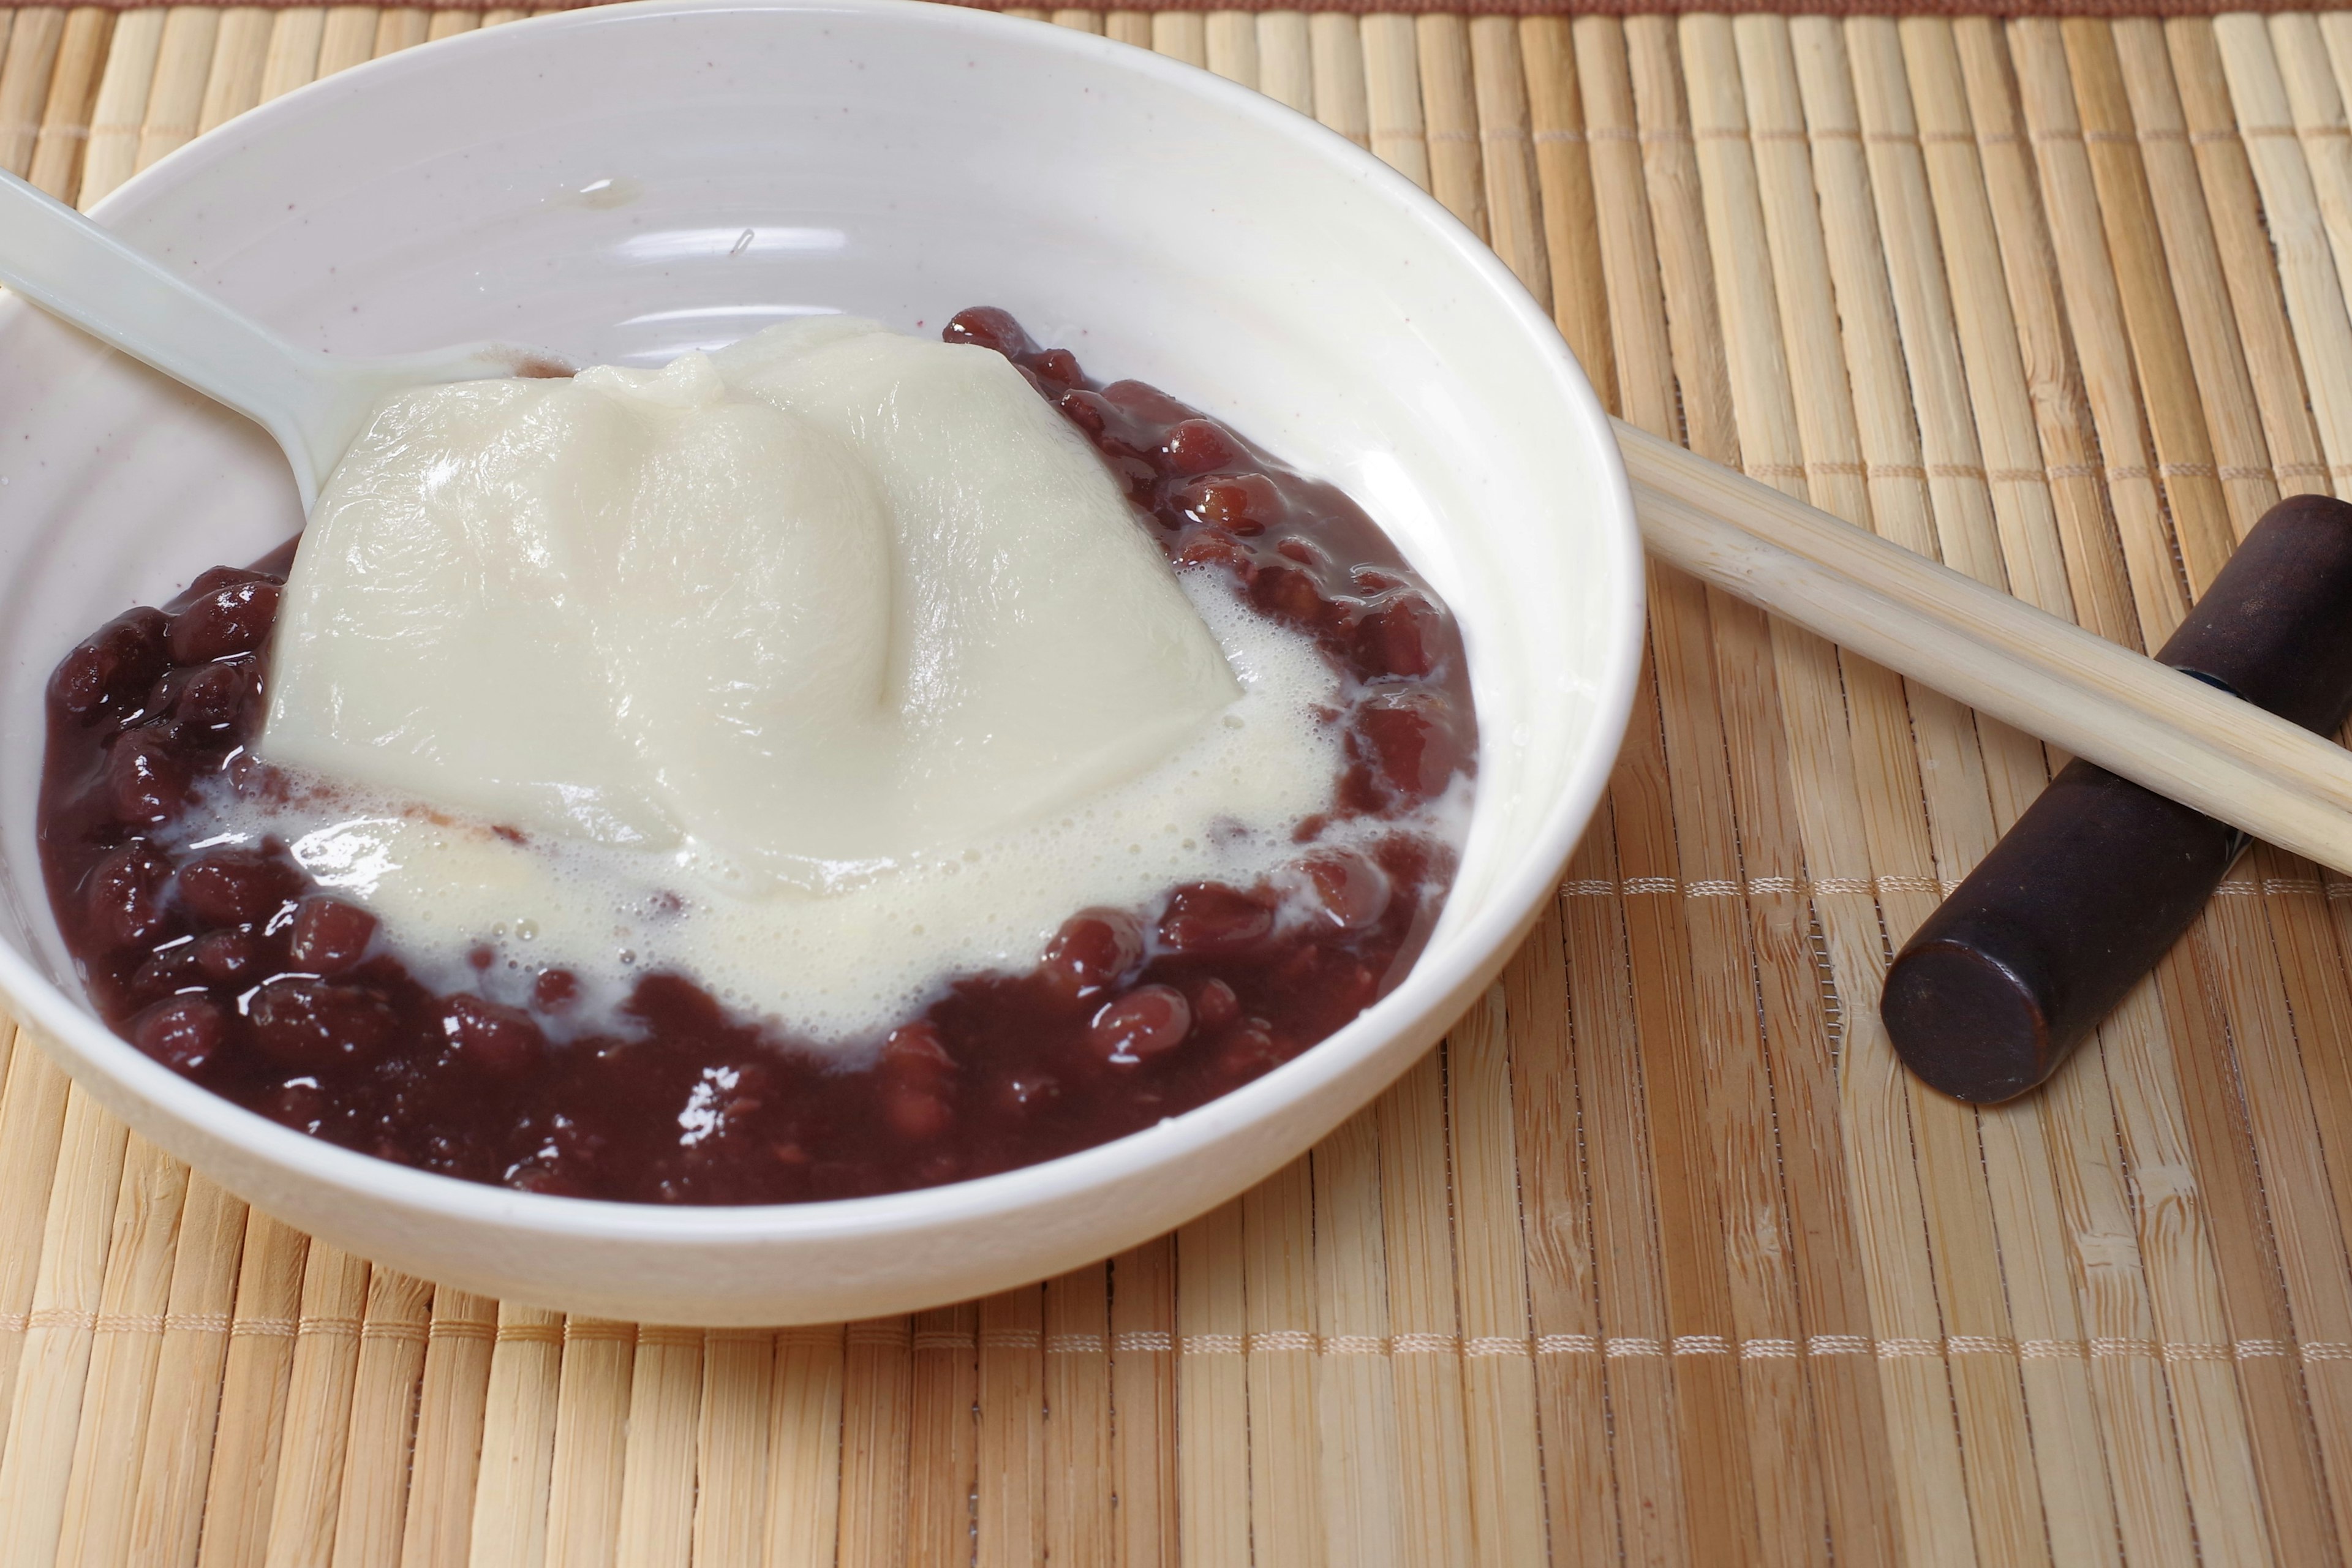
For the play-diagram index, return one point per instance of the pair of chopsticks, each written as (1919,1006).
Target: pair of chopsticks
(2123,710)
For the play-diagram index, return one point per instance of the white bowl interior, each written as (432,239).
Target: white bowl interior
(627,184)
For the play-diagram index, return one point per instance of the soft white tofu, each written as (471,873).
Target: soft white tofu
(803,608)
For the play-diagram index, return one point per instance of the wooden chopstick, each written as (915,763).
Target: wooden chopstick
(2123,710)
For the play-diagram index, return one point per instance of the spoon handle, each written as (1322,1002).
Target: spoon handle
(75,269)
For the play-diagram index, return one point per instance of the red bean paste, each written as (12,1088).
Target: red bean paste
(228,964)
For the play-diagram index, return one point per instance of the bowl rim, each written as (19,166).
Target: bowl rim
(1484,942)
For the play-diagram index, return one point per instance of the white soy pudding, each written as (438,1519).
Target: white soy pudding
(822,669)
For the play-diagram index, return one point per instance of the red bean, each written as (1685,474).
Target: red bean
(1212,919)
(1244,504)
(184,1033)
(501,1041)
(1086,410)
(1133,473)
(211,579)
(1252,1050)
(1410,741)
(1290,592)
(1093,951)
(310,1023)
(299,1103)
(1215,547)
(1144,403)
(1349,891)
(540,1176)
(125,898)
(985,326)
(1215,1006)
(915,1074)
(148,778)
(1059,368)
(1199,446)
(168,970)
(554,990)
(1025,1093)
(214,694)
(329,935)
(233,619)
(237,887)
(120,663)
(1394,638)
(227,956)
(1142,1023)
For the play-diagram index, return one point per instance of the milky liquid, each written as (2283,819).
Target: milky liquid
(833,968)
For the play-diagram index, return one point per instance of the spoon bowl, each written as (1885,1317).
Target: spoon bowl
(314,404)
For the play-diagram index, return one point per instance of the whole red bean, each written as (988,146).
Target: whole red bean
(1288,592)
(212,695)
(1212,919)
(299,1103)
(170,969)
(1025,1092)
(184,1033)
(1252,1050)
(915,1074)
(1348,889)
(125,898)
(1216,547)
(1199,446)
(1145,403)
(1244,503)
(1215,1006)
(121,661)
(233,619)
(147,777)
(1059,368)
(226,955)
(1085,409)
(310,1023)
(211,579)
(537,1175)
(1410,743)
(1145,1022)
(987,327)
(1093,951)
(329,935)
(554,990)
(237,887)
(1394,638)
(501,1041)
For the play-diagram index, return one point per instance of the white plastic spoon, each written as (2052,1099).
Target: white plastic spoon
(313,404)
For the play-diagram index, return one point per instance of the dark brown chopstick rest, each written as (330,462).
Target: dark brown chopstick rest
(2099,876)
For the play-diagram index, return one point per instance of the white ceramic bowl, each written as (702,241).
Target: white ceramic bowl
(623,184)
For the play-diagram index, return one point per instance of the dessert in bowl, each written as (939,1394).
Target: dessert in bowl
(680,177)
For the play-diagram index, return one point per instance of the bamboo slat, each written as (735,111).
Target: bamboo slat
(34,35)
(96,1520)
(943,1454)
(390,1366)
(591,1418)
(1662,1259)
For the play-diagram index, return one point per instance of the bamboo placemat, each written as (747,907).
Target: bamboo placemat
(1661,1258)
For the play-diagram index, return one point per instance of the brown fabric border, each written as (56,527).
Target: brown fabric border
(2110,9)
